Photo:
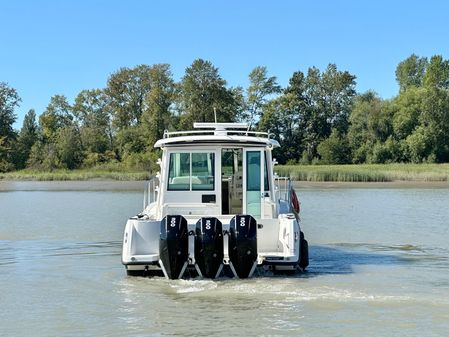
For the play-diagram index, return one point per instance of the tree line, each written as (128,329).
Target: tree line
(318,117)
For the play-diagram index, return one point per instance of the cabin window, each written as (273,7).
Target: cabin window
(191,171)
(253,180)
(179,172)
(253,171)
(203,168)
(266,181)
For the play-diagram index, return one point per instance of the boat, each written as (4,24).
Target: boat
(216,209)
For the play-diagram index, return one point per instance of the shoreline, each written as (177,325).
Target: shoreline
(299,184)
(132,185)
(72,185)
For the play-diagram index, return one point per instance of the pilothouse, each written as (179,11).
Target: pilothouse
(216,208)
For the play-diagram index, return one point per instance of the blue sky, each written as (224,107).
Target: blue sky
(63,47)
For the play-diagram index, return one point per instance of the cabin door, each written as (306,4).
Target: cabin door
(253,181)
(232,181)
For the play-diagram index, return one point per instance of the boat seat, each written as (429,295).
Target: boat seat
(185,180)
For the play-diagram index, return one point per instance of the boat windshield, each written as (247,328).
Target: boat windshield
(191,171)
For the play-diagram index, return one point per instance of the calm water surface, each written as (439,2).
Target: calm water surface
(379,267)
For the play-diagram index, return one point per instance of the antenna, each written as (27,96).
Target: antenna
(215,114)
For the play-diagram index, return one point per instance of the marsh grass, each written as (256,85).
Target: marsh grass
(366,172)
(342,173)
(81,174)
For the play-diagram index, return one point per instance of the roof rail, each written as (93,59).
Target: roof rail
(220,126)
(219,129)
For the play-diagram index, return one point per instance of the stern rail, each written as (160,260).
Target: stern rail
(151,191)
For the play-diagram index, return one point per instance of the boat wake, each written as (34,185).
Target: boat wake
(192,286)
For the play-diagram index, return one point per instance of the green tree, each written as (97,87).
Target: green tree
(126,90)
(370,123)
(60,146)
(91,111)
(365,104)
(260,89)
(44,156)
(9,100)
(338,90)
(281,120)
(437,73)
(409,108)
(410,72)
(328,98)
(419,145)
(27,137)
(157,115)
(68,147)
(435,124)
(334,149)
(421,118)
(57,115)
(131,140)
(201,91)
(308,109)
(385,152)
(285,117)
(5,155)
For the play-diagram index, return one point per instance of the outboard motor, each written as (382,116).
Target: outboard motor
(243,245)
(209,247)
(304,258)
(174,246)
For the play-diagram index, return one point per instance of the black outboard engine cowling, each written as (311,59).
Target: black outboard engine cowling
(243,244)
(174,246)
(304,258)
(209,246)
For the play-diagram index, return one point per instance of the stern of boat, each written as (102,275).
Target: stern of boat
(140,249)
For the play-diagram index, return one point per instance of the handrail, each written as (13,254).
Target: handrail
(151,191)
(282,188)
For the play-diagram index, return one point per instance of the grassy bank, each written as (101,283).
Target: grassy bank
(81,174)
(366,172)
(342,173)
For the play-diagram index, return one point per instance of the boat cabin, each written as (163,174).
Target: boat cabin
(226,170)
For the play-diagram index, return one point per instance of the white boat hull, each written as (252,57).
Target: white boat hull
(278,243)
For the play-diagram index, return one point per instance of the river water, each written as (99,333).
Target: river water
(379,266)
